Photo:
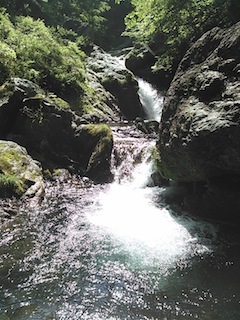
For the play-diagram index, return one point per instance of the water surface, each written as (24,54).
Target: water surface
(116,252)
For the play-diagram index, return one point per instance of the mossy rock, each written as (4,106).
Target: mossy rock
(117,80)
(99,162)
(18,170)
(10,185)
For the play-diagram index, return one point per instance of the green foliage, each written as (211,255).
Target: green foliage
(30,50)
(168,26)
(81,13)
(7,61)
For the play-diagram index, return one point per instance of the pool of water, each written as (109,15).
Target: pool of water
(114,252)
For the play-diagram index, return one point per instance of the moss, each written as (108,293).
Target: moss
(15,161)
(8,157)
(98,166)
(6,90)
(104,135)
(59,102)
(10,185)
(99,130)
(156,159)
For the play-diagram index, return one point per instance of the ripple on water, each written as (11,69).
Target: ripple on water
(111,252)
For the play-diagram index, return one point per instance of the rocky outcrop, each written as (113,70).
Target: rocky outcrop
(200,127)
(54,136)
(101,105)
(141,61)
(118,80)
(19,173)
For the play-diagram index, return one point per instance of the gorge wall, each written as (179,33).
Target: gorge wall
(199,136)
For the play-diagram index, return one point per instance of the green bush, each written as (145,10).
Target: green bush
(35,52)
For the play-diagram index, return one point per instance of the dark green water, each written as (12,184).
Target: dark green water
(116,252)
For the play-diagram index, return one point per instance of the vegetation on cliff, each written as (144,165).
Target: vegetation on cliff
(35,52)
(166,28)
(50,51)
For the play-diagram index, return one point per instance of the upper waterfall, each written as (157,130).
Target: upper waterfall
(151,100)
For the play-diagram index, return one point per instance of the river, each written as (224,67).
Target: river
(117,251)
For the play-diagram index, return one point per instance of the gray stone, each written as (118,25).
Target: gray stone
(118,80)
(200,128)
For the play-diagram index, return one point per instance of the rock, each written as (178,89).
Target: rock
(118,80)
(102,105)
(149,127)
(52,135)
(141,62)
(19,172)
(96,143)
(12,93)
(200,127)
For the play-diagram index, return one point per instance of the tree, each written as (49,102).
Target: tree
(168,26)
(57,12)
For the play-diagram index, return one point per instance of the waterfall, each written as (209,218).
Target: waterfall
(151,100)
(130,212)
(117,251)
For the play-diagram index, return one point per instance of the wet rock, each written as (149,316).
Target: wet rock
(103,106)
(141,62)
(149,127)
(100,143)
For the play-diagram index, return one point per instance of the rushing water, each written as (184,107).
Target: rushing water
(116,252)
(151,99)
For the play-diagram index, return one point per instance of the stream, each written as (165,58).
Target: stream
(117,251)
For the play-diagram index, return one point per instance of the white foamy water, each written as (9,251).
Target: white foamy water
(129,212)
(151,100)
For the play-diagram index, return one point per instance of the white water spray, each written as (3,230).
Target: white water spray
(151,100)
(129,212)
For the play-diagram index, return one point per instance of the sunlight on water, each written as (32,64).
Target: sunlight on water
(128,212)
(146,231)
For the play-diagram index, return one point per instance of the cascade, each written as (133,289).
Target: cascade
(116,251)
(151,100)
(130,212)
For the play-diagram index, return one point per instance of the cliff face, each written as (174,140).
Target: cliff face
(200,128)
(199,138)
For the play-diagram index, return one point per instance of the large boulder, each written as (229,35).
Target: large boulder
(200,128)
(55,136)
(19,173)
(118,80)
